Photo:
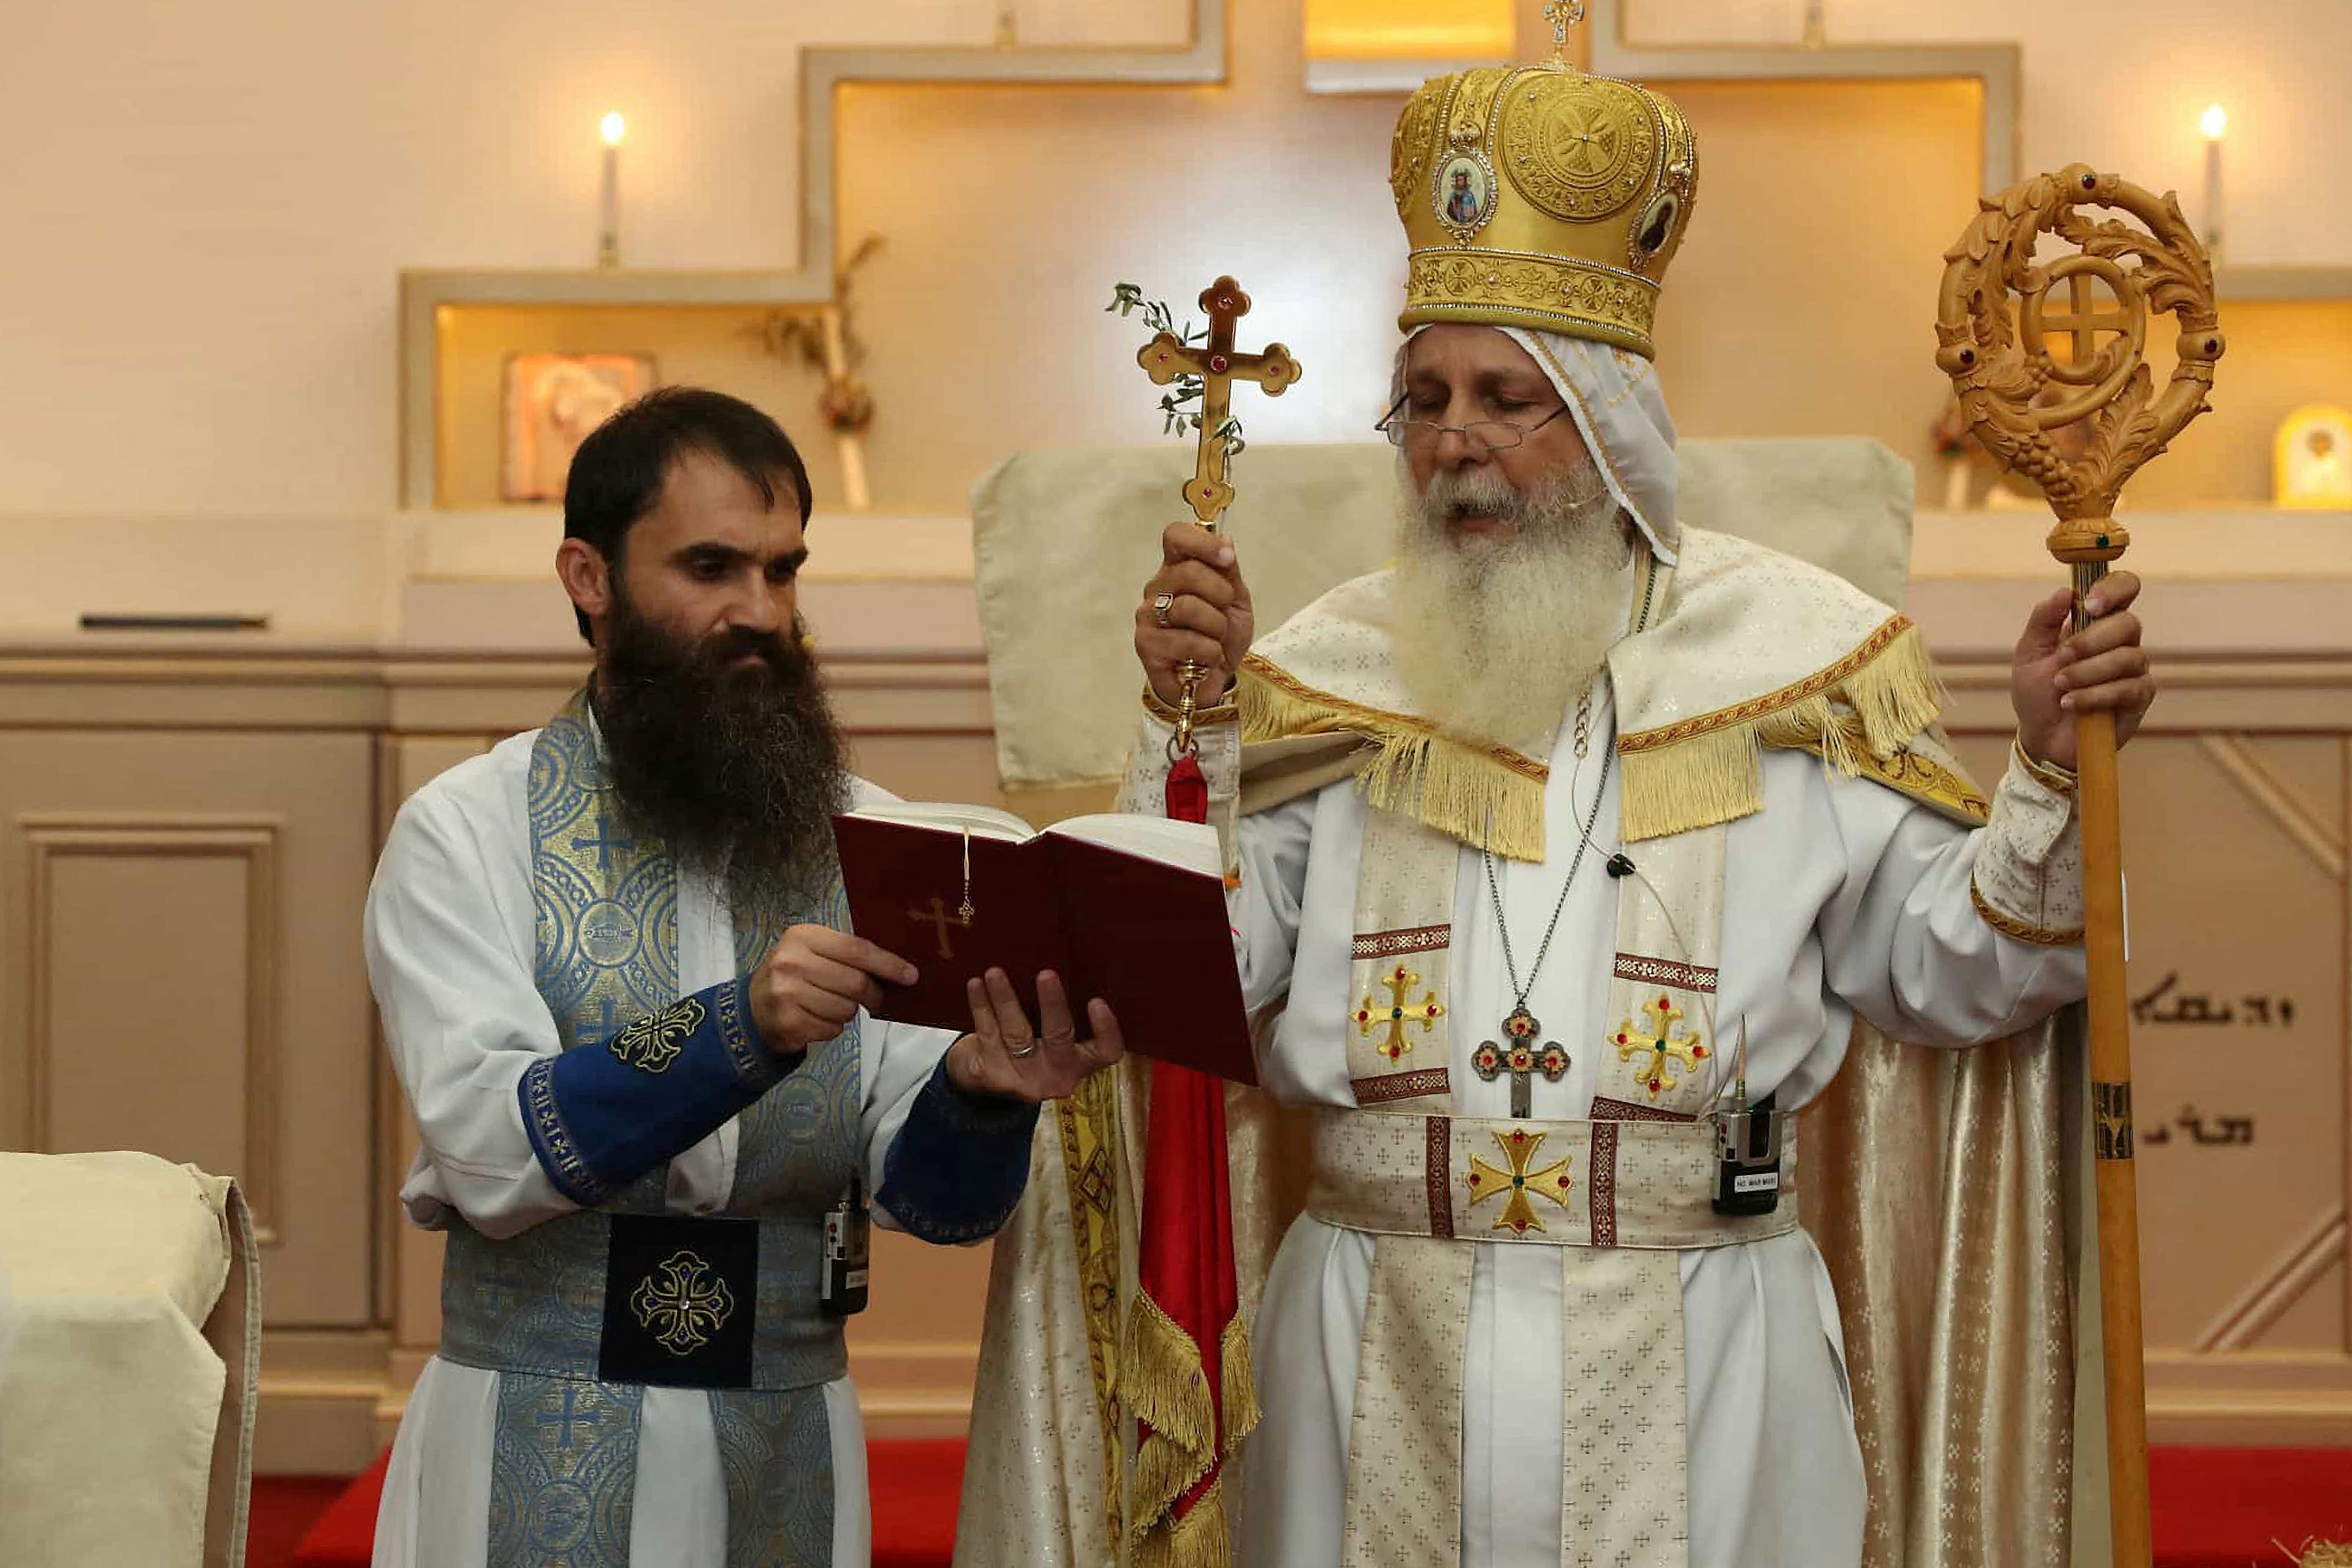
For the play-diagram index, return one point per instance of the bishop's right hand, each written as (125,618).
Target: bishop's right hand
(812,982)
(1206,617)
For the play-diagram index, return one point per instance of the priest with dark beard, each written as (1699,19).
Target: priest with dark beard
(617,981)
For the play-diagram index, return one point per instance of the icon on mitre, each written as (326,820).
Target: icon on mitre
(2311,460)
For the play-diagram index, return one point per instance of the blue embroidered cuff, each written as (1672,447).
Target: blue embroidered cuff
(598,1116)
(956,1170)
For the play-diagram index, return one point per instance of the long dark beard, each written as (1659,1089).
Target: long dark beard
(738,770)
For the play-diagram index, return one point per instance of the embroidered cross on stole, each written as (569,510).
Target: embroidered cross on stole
(1624,1485)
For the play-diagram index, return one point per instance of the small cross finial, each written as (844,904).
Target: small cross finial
(1562,15)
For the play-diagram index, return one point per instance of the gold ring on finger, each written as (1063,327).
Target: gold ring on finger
(1028,1049)
(1161,603)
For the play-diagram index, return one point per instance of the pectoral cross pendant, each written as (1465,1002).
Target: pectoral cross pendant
(1522,1058)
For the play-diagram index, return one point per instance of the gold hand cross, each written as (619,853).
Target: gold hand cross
(1167,356)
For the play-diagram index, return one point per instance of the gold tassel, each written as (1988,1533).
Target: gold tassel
(1717,774)
(1240,1390)
(1464,791)
(1199,1539)
(2324,1554)
(1160,1377)
(1163,1384)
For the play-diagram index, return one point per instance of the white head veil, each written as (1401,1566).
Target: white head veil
(1615,399)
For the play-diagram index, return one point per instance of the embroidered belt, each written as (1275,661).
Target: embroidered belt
(1558,1184)
(672,1300)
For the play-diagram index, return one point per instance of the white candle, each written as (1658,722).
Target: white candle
(2215,123)
(608,232)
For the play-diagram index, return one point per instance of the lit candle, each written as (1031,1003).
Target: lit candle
(608,234)
(2215,124)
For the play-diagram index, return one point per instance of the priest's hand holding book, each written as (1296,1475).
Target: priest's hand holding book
(1005,1056)
(812,983)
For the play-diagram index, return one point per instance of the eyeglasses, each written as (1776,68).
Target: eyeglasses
(1494,435)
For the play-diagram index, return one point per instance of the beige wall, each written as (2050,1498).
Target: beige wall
(208,206)
(207,210)
(2122,85)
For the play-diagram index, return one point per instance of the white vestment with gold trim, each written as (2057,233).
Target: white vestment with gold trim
(1839,895)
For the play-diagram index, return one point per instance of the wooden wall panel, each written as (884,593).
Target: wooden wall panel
(197,1029)
(2235,866)
(183,906)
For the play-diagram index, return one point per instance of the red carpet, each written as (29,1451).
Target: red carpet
(308,1521)
(2228,1507)
(2215,1508)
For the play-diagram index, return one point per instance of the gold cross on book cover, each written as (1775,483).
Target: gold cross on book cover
(1122,906)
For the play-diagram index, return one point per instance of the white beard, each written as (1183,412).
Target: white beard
(1494,637)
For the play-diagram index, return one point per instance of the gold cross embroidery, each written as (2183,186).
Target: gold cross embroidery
(1485,1181)
(683,1304)
(1374,1012)
(1666,1041)
(653,1043)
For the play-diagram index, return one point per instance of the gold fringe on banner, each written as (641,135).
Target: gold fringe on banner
(1487,796)
(1700,771)
(1202,1539)
(1163,1384)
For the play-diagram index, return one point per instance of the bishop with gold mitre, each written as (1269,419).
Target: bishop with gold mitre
(1626,825)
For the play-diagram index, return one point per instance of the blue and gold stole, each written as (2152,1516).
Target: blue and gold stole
(580,1312)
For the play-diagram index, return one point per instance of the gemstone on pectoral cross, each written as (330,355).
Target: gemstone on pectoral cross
(1522,1058)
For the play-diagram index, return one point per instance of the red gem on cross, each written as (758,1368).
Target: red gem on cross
(1697,1051)
(1621,1039)
(1653,1086)
(1218,363)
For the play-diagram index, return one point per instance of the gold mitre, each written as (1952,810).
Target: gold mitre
(1541,197)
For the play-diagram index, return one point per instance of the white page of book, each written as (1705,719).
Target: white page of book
(1187,846)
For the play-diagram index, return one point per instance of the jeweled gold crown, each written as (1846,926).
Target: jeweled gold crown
(1541,197)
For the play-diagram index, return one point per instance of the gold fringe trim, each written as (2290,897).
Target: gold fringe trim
(1163,1383)
(1700,771)
(1202,1539)
(1239,1401)
(2323,1555)
(1487,796)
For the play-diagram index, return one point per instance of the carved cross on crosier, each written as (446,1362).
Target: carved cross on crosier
(1218,365)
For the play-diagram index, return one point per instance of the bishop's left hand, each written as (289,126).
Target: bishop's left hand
(1005,1056)
(2101,668)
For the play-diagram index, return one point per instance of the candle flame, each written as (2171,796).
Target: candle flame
(614,127)
(2215,121)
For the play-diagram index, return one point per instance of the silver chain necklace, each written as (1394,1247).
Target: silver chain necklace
(1518,1053)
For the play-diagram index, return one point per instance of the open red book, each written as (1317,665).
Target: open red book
(1128,908)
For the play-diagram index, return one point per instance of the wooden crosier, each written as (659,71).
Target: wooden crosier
(1167,357)
(2014,391)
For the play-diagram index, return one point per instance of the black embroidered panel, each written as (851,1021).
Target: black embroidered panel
(680,1300)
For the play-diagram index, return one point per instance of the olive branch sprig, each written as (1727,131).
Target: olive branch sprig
(1180,409)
